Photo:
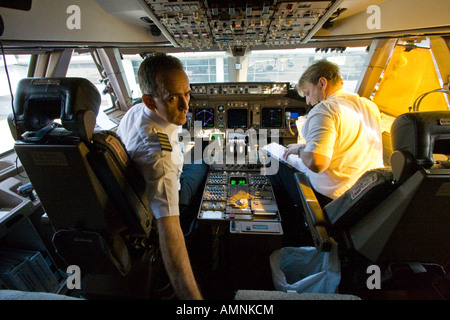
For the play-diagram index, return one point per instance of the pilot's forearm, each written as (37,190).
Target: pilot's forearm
(176,259)
(315,162)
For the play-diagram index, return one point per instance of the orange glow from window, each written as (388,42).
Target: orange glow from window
(407,76)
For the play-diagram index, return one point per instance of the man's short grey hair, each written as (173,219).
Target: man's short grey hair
(321,68)
(151,67)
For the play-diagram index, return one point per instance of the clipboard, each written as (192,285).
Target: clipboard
(276,151)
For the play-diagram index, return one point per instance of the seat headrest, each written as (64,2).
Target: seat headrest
(39,101)
(422,134)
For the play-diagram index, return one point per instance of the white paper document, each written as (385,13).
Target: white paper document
(276,151)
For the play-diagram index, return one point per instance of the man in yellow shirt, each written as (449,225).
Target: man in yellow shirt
(342,133)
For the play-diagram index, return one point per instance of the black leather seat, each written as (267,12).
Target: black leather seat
(90,189)
(399,213)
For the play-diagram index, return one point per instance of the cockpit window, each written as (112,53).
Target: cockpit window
(82,65)
(288,65)
(410,74)
(201,67)
(260,65)
(17,66)
(205,67)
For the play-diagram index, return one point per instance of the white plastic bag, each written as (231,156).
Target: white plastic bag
(304,269)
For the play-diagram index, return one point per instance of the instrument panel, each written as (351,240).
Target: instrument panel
(222,106)
(238,193)
(237,190)
(222,24)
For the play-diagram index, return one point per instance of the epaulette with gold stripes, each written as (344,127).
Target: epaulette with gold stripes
(164,141)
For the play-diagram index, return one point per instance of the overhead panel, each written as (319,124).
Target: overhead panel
(223,24)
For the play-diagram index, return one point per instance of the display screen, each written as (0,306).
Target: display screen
(206,116)
(295,112)
(272,118)
(238,181)
(237,118)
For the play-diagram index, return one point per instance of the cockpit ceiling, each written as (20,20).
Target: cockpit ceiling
(223,24)
(203,25)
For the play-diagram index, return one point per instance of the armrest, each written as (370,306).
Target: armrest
(315,217)
(403,165)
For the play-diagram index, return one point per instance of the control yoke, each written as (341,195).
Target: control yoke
(288,123)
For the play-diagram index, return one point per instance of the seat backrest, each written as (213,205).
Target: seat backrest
(398,213)
(411,223)
(83,176)
(342,213)
(371,188)
(415,138)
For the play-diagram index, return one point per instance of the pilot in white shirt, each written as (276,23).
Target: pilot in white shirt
(346,129)
(153,145)
(343,140)
(342,134)
(149,133)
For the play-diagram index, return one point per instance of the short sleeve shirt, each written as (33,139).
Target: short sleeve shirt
(141,130)
(347,129)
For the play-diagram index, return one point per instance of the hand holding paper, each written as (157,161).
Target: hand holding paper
(277,151)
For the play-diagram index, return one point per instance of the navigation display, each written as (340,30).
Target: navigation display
(272,118)
(237,118)
(295,112)
(206,116)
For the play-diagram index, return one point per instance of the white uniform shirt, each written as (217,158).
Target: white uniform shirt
(345,128)
(161,168)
